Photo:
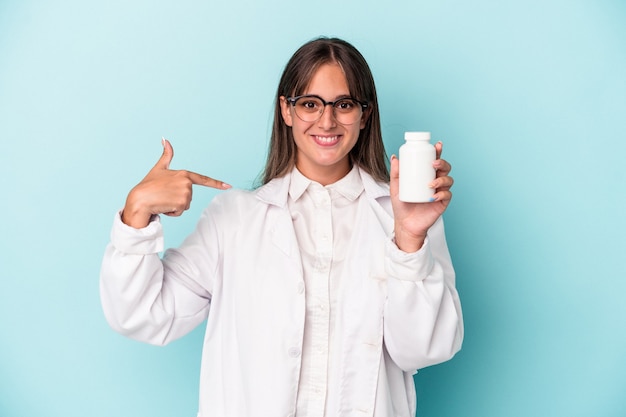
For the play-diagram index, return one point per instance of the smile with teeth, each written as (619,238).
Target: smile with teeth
(326,140)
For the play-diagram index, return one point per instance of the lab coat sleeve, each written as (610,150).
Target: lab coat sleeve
(423,322)
(157,300)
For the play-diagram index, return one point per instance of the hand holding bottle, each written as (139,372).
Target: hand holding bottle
(412,220)
(164,191)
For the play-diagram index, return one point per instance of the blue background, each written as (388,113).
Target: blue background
(529,98)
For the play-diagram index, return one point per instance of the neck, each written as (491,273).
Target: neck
(327,176)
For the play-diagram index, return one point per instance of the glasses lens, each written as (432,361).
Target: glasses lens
(347,111)
(309,109)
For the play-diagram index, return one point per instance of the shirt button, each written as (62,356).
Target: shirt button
(294,352)
(300,287)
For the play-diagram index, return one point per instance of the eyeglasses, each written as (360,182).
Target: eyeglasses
(309,108)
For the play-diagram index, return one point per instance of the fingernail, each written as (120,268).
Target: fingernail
(432,199)
(226,186)
(163,141)
(393,157)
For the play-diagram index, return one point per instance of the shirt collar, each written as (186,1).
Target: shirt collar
(298,184)
(350,186)
(276,191)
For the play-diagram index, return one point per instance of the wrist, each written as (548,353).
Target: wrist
(134,216)
(408,242)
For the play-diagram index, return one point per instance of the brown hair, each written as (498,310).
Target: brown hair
(369,151)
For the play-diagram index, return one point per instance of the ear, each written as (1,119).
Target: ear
(285,111)
(366,114)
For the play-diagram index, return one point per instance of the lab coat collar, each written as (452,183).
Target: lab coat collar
(374,189)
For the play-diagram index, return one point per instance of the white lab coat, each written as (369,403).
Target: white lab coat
(241,269)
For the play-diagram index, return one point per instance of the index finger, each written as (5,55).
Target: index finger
(205,181)
(438,149)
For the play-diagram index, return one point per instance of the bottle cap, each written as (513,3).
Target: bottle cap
(416,135)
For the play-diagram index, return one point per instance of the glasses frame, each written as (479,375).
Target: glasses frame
(292,100)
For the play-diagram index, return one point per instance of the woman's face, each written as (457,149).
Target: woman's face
(323,146)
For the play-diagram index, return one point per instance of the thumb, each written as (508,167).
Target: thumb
(166,157)
(394,175)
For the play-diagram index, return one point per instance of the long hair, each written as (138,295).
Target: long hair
(369,151)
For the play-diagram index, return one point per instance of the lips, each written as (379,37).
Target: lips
(326,140)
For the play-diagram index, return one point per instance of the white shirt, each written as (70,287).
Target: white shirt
(241,270)
(323,219)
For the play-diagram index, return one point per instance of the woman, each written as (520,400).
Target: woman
(323,293)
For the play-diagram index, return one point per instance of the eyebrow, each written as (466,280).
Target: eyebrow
(339,97)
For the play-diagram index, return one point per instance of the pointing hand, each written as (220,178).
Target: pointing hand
(164,191)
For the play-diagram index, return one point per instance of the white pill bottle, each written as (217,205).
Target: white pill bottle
(416,168)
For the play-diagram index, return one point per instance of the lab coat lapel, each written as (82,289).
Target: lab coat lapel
(280,226)
(380,203)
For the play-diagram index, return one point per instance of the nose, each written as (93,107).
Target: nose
(327,119)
